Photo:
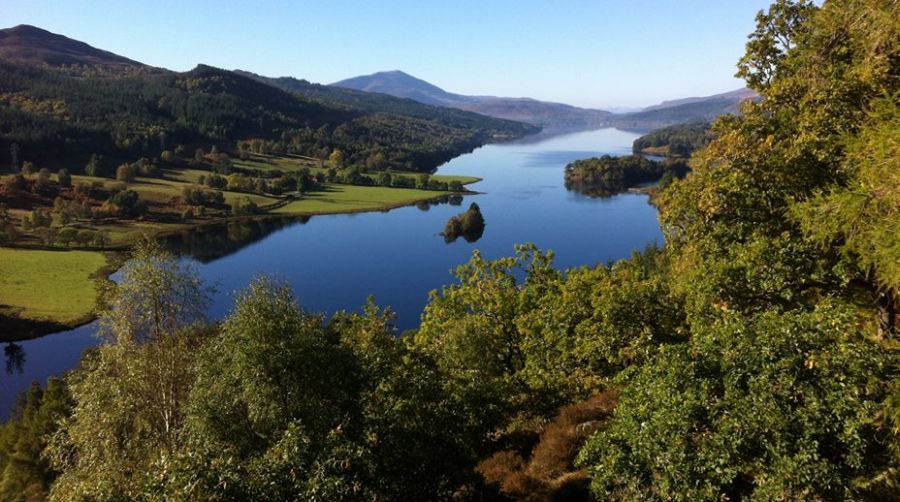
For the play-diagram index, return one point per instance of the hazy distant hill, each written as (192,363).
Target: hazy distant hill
(402,85)
(737,95)
(679,111)
(30,45)
(541,113)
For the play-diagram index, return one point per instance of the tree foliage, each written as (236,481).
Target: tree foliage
(605,176)
(674,141)
(65,114)
(469,225)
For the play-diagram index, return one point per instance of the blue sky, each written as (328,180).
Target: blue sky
(599,53)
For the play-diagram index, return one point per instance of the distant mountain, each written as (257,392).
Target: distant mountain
(27,44)
(402,85)
(541,113)
(374,102)
(680,111)
(737,95)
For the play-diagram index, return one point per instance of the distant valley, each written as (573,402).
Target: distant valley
(532,111)
(548,115)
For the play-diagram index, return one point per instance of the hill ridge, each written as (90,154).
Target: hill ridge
(545,114)
(27,44)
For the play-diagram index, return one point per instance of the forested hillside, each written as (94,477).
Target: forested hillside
(605,176)
(547,115)
(373,102)
(27,44)
(753,357)
(67,111)
(700,111)
(679,140)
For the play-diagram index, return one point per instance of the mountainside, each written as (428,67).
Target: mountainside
(402,85)
(65,113)
(30,45)
(552,116)
(680,111)
(541,113)
(375,102)
(736,95)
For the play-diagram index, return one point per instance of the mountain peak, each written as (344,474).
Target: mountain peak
(401,84)
(541,113)
(27,44)
(21,29)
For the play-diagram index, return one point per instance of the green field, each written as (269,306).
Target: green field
(266,163)
(56,286)
(350,198)
(162,190)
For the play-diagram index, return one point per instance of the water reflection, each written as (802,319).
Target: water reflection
(469,236)
(15,358)
(452,199)
(335,262)
(210,242)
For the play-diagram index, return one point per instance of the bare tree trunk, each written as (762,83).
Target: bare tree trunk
(887,313)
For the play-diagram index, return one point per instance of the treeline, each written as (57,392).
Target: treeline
(67,114)
(605,176)
(674,141)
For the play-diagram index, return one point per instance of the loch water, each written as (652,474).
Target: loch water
(335,262)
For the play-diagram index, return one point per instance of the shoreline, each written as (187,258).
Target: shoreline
(30,329)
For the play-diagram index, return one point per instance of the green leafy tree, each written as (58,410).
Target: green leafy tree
(64,178)
(96,166)
(131,393)
(126,172)
(471,330)
(124,203)
(336,159)
(861,217)
(776,32)
(779,390)
(157,294)
(25,473)
(776,407)
(730,221)
(251,387)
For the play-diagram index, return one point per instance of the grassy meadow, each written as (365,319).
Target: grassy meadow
(51,286)
(351,198)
